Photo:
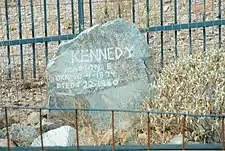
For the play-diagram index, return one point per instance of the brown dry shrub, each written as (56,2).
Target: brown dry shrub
(194,85)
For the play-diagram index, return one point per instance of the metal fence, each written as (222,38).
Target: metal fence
(32,29)
(112,146)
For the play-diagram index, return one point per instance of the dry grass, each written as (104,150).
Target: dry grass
(194,85)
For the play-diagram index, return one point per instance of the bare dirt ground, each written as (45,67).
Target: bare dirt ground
(33,91)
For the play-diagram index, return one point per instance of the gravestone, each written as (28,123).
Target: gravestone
(107,66)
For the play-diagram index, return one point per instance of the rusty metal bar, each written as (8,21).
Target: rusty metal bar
(148,132)
(223,145)
(183,132)
(42,143)
(76,125)
(113,137)
(7,128)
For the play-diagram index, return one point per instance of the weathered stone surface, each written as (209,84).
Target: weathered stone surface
(108,66)
(177,139)
(22,135)
(49,125)
(63,136)
(33,118)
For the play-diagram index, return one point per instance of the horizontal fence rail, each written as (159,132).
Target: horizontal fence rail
(114,147)
(143,30)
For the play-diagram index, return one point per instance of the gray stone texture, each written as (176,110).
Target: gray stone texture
(107,66)
(21,134)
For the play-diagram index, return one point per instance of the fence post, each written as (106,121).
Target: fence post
(183,133)
(147,10)
(133,10)
(7,35)
(33,44)
(204,30)
(58,15)
(220,17)
(7,128)
(90,7)
(20,37)
(46,31)
(81,14)
(175,21)
(223,145)
(148,132)
(113,137)
(161,20)
(42,143)
(77,130)
(190,20)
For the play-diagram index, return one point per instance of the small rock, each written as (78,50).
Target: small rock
(177,139)
(51,125)
(3,122)
(4,143)
(48,125)
(22,135)
(142,138)
(45,113)
(33,118)
(63,136)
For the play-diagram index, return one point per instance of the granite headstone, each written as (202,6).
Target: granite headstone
(107,66)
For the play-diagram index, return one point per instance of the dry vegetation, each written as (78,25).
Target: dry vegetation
(193,85)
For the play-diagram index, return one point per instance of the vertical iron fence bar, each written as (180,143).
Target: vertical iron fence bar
(133,11)
(82,10)
(161,18)
(147,9)
(220,17)
(76,125)
(79,15)
(175,21)
(148,132)
(46,31)
(20,37)
(72,12)
(183,133)
(223,145)
(33,44)
(204,30)
(58,15)
(7,36)
(7,128)
(113,137)
(106,15)
(190,20)
(90,7)
(42,143)
(119,9)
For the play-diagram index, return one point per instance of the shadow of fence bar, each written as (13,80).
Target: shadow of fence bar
(114,147)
